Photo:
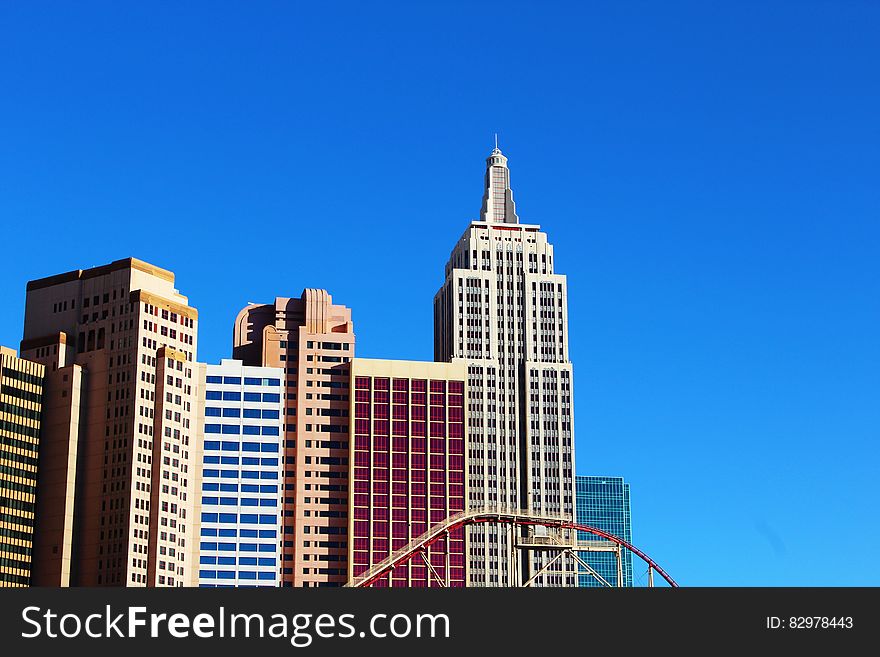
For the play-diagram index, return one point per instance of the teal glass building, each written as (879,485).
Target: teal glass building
(603,502)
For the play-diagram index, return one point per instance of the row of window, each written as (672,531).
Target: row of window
(418,385)
(234,446)
(229,395)
(62,305)
(248,381)
(230,574)
(248,430)
(266,414)
(22,376)
(244,501)
(150,309)
(234,460)
(234,474)
(244,533)
(15,409)
(25,395)
(243,561)
(245,488)
(328,345)
(210,546)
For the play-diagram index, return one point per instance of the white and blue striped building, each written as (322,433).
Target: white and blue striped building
(241,476)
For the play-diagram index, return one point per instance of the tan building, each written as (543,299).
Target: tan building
(119,487)
(504,308)
(21,406)
(313,340)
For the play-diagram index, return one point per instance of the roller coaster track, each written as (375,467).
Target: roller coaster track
(507,517)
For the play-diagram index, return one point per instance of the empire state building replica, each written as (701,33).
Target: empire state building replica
(503,309)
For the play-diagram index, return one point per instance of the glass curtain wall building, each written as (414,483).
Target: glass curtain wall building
(603,502)
(241,477)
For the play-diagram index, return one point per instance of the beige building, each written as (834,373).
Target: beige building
(21,407)
(504,309)
(313,340)
(119,486)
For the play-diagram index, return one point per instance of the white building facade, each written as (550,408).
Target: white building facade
(241,476)
(504,309)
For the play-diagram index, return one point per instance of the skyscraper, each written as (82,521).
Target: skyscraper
(503,308)
(408,467)
(603,502)
(313,340)
(21,405)
(241,479)
(122,427)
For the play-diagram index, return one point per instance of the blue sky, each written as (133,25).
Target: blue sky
(707,171)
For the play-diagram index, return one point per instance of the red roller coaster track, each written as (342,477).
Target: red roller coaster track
(435,533)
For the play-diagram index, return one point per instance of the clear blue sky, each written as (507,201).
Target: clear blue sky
(708,173)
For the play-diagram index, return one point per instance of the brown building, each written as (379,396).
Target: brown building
(118,483)
(313,340)
(21,406)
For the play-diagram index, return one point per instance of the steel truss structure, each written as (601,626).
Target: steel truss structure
(561,538)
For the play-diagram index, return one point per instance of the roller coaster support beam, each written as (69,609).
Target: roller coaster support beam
(590,570)
(545,567)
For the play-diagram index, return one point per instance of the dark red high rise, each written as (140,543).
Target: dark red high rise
(408,468)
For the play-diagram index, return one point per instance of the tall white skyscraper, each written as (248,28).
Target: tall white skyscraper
(504,310)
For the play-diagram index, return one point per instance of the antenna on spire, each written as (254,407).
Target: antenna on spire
(496,141)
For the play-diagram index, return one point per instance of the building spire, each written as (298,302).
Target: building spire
(498,205)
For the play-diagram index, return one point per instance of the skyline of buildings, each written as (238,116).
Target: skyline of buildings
(293,463)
